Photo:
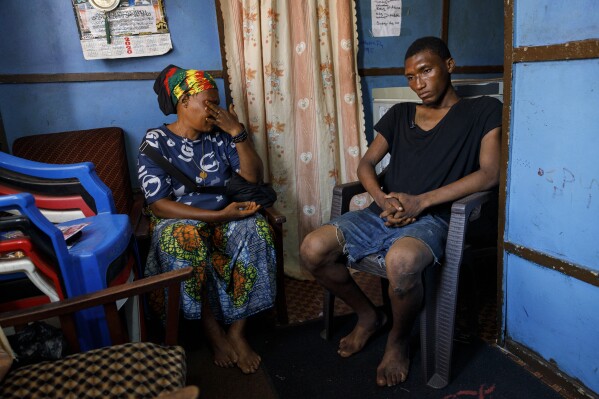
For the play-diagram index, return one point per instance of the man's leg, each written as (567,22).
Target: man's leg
(320,252)
(405,262)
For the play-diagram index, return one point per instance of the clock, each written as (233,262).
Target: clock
(105,5)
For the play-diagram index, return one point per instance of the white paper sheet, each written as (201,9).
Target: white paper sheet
(386,17)
(137,29)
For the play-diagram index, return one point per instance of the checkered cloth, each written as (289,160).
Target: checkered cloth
(133,370)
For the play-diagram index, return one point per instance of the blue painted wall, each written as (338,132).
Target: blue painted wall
(44,39)
(552,202)
(554,315)
(554,178)
(50,44)
(475,38)
(543,22)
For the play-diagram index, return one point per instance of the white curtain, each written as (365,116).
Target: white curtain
(293,74)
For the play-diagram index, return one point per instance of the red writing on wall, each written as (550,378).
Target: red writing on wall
(483,392)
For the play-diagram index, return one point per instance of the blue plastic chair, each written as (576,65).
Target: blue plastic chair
(92,260)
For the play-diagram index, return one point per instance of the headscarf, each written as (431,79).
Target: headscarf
(173,82)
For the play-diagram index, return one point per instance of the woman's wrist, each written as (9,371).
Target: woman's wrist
(241,136)
(237,130)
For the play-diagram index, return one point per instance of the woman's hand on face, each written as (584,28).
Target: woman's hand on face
(240,210)
(227,120)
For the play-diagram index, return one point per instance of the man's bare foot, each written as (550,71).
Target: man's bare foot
(364,329)
(248,360)
(394,367)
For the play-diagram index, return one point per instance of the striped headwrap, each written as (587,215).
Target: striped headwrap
(174,82)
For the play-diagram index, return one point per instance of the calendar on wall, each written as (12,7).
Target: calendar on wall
(133,28)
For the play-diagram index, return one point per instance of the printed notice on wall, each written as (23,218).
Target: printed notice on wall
(386,17)
(136,28)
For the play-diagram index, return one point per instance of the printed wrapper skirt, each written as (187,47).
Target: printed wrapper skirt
(233,265)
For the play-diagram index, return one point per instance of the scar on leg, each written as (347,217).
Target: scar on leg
(405,284)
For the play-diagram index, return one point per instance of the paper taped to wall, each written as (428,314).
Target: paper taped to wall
(138,28)
(386,17)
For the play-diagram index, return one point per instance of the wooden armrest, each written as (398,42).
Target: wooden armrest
(276,220)
(107,295)
(139,221)
(273,216)
(188,392)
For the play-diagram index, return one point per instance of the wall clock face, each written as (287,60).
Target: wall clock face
(105,5)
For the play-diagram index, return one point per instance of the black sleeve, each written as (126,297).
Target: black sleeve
(389,122)
(489,114)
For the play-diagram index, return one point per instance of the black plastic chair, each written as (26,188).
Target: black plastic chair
(437,317)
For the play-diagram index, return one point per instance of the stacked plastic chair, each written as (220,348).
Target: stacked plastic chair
(18,255)
(105,253)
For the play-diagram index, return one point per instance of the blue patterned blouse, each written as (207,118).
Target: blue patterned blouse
(208,160)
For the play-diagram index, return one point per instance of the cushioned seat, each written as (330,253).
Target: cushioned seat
(136,370)
(133,370)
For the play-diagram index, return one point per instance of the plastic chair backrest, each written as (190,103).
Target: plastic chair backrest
(42,178)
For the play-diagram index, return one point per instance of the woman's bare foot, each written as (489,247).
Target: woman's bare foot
(224,353)
(394,367)
(248,360)
(364,329)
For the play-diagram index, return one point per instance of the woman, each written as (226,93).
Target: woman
(229,244)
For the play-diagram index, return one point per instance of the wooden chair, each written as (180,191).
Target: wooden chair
(105,148)
(440,283)
(140,369)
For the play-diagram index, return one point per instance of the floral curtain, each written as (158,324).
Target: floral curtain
(293,75)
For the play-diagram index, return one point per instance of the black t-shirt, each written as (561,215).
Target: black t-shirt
(422,161)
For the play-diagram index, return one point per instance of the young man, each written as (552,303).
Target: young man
(441,150)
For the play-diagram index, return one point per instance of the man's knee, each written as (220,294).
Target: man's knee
(404,269)
(405,284)
(403,278)
(316,248)
(310,252)
(307,249)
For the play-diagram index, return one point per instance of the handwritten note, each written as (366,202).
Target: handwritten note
(386,17)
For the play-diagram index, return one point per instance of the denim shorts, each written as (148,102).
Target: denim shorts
(365,234)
